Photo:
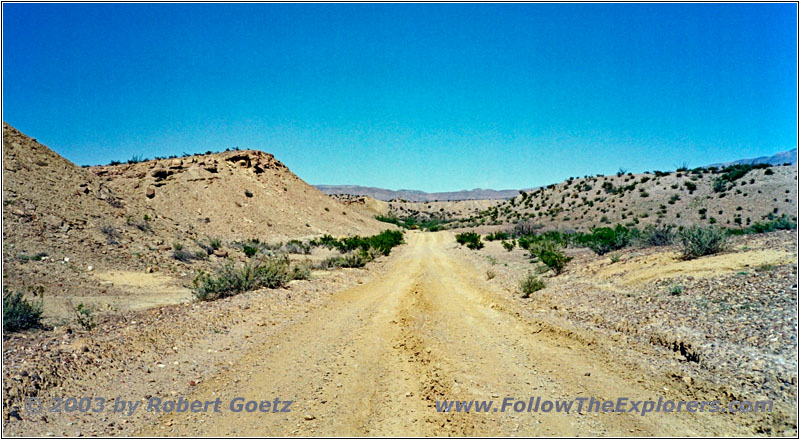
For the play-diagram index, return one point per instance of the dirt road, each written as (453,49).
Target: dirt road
(375,358)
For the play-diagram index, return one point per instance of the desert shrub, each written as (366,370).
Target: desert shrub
(111,233)
(699,241)
(385,241)
(84,315)
(531,284)
(604,240)
(181,254)
(250,249)
(615,258)
(549,252)
(209,245)
(720,185)
(297,247)
(326,241)
(691,186)
(768,172)
(36,257)
(525,227)
(300,272)
(508,245)
(19,313)
(554,259)
(229,280)
(471,239)
(143,225)
(676,290)
(658,235)
(781,223)
(490,274)
(136,159)
(498,236)
(354,259)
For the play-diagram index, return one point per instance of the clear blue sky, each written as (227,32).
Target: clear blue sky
(430,97)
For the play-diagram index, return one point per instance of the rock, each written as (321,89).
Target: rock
(52,221)
(90,268)
(221,253)
(150,192)
(309,416)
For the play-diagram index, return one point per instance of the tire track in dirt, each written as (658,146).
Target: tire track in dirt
(376,358)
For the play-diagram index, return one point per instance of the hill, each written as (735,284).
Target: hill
(235,194)
(98,235)
(736,196)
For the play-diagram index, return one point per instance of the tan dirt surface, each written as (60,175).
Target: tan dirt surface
(374,359)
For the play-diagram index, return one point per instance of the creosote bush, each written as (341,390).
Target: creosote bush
(471,239)
(698,241)
(229,280)
(531,284)
(19,313)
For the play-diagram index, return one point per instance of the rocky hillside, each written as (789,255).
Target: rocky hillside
(66,228)
(235,194)
(731,197)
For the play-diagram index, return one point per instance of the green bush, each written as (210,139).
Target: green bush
(85,316)
(250,250)
(354,259)
(19,313)
(658,235)
(297,247)
(781,223)
(604,240)
(699,241)
(549,253)
(471,239)
(508,245)
(498,236)
(228,280)
(530,285)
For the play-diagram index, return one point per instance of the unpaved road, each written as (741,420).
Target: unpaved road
(374,359)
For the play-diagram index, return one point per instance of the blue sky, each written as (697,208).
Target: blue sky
(430,97)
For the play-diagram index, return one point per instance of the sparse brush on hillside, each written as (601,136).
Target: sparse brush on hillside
(229,280)
(19,313)
(471,239)
(699,241)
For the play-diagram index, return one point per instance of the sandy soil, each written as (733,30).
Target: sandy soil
(374,360)
(368,352)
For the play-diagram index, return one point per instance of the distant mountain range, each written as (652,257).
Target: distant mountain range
(418,196)
(491,194)
(781,158)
